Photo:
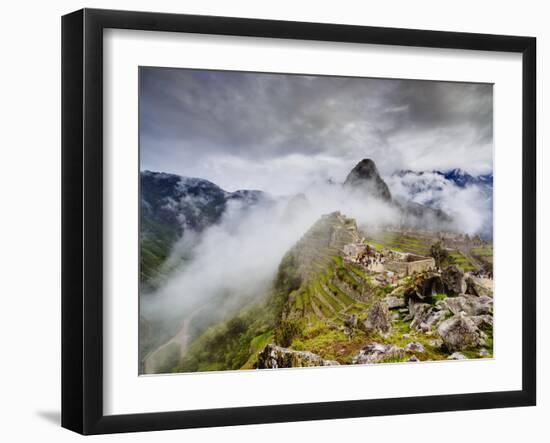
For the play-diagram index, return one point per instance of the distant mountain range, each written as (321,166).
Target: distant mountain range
(171,204)
(462,178)
(457,176)
(452,191)
(365,178)
(418,182)
(182,203)
(321,308)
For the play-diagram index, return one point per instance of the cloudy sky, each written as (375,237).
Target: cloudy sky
(281,133)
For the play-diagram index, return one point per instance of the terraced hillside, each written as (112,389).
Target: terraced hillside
(483,254)
(462,252)
(304,288)
(323,240)
(404,242)
(324,309)
(320,313)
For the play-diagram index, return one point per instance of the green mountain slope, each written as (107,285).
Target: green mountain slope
(330,306)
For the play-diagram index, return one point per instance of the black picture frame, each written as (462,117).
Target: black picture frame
(82,220)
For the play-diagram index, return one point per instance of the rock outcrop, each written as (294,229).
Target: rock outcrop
(415,347)
(378,318)
(424,286)
(378,353)
(273,356)
(479,286)
(483,321)
(470,304)
(326,303)
(453,279)
(424,316)
(394,302)
(459,332)
(364,177)
(456,356)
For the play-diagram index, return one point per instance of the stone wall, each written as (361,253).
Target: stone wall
(352,250)
(420,265)
(410,267)
(399,267)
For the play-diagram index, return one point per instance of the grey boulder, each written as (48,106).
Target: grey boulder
(274,356)
(459,332)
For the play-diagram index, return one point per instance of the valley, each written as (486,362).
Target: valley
(346,292)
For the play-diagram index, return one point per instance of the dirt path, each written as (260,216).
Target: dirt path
(151,360)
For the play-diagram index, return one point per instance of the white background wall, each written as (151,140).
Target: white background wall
(30,218)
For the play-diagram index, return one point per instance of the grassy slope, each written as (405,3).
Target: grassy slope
(310,318)
(154,248)
(461,261)
(401,242)
(308,312)
(324,336)
(484,254)
(421,244)
(230,345)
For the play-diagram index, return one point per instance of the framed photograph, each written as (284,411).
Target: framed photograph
(268,221)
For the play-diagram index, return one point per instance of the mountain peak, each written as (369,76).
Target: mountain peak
(462,178)
(365,176)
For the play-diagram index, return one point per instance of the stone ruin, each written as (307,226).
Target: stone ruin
(408,264)
(399,263)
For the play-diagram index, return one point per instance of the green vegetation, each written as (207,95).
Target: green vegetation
(152,254)
(256,345)
(170,358)
(401,327)
(378,246)
(153,249)
(313,299)
(301,315)
(329,342)
(428,245)
(438,297)
(231,344)
(339,261)
(400,242)
(461,261)
(228,345)
(440,255)
(484,254)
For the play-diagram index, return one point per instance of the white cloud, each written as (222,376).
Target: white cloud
(274,131)
(470,206)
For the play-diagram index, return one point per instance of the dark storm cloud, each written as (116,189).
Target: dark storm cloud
(223,125)
(432,105)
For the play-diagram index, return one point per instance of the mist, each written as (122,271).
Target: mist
(294,137)
(470,207)
(233,263)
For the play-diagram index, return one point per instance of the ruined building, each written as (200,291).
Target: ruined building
(399,263)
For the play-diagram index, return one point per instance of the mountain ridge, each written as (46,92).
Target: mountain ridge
(170,205)
(366,179)
(457,175)
(325,308)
